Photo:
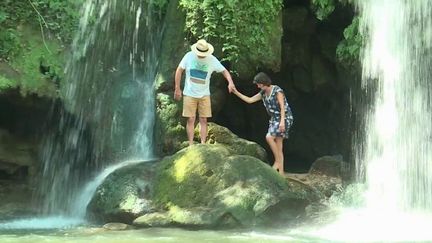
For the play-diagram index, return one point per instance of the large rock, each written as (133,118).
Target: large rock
(218,187)
(124,195)
(326,176)
(201,185)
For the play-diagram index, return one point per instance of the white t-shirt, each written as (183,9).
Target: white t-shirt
(198,73)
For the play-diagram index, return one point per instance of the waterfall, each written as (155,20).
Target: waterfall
(108,95)
(397,148)
(393,147)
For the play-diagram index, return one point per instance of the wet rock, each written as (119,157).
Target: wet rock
(124,195)
(116,226)
(15,154)
(328,165)
(153,220)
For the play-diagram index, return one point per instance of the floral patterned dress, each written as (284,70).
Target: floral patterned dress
(273,109)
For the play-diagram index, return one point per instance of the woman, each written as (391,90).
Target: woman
(281,117)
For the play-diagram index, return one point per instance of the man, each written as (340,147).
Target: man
(199,64)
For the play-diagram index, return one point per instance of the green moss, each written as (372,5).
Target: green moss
(24,26)
(6,83)
(36,54)
(182,178)
(348,50)
(169,129)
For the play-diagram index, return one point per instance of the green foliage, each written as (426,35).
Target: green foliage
(54,18)
(31,59)
(235,24)
(10,43)
(159,4)
(6,83)
(323,8)
(32,34)
(348,50)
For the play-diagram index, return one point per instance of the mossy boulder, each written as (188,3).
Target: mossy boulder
(212,185)
(203,186)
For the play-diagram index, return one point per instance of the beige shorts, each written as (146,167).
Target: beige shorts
(191,104)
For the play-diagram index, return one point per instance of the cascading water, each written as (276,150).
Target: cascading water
(109,100)
(398,147)
(394,156)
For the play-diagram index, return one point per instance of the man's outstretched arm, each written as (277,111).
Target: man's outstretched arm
(228,78)
(177,78)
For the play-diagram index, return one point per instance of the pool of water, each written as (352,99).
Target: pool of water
(353,226)
(98,235)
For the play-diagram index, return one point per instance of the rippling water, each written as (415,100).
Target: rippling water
(96,235)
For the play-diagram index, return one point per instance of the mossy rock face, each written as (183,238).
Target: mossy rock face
(173,47)
(38,65)
(169,130)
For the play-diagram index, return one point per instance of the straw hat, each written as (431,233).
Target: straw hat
(202,48)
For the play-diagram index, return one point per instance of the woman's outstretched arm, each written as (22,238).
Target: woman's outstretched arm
(281,100)
(247,99)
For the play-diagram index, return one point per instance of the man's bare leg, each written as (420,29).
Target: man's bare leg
(190,127)
(203,129)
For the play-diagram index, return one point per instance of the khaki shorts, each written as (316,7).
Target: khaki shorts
(190,105)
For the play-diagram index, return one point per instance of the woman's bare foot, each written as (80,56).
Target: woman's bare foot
(282,173)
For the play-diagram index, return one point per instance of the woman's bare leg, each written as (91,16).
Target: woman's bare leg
(273,146)
(279,146)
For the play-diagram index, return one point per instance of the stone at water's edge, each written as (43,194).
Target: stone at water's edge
(116,226)
(124,195)
(202,185)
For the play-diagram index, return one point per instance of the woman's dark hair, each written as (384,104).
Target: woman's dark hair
(262,78)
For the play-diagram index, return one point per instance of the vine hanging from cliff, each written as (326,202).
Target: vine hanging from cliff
(235,24)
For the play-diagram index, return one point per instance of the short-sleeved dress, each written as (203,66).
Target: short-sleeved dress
(273,109)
